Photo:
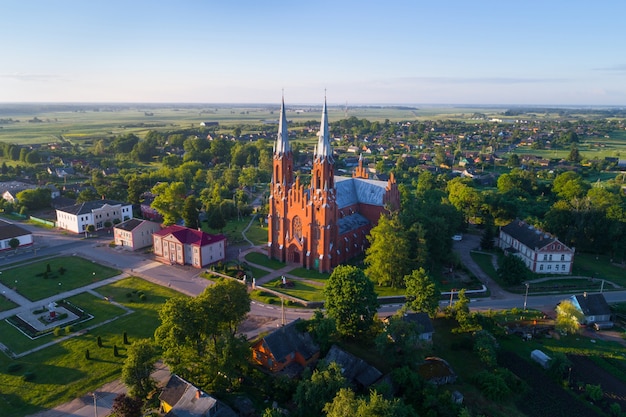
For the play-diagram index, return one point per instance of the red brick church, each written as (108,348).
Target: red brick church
(325,223)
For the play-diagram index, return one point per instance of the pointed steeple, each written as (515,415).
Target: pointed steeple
(282,145)
(323,149)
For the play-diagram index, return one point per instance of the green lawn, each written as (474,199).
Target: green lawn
(6,304)
(256,272)
(598,266)
(263,260)
(257,233)
(301,290)
(311,274)
(29,279)
(62,372)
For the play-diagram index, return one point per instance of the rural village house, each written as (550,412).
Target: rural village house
(286,349)
(593,307)
(98,213)
(10,231)
(541,252)
(180,398)
(135,234)
(184,246)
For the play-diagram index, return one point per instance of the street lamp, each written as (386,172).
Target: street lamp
(526,296)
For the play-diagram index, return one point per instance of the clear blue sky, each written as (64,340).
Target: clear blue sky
(552,52)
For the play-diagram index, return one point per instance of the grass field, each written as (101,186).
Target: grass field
(263,260)
(256,233)
(61,372)
(29,281)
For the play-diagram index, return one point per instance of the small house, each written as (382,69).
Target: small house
(184,246)
(180,398)
(593,307)
(357,372)
(9,231)
(135,234)
(425,327)
(286,350)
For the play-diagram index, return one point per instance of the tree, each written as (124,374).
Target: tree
(350,300)
(125,406)
(487,239)
(388,267)
(138,367)
(169,200)
(574,154)
(322,386)
(346,403)
(568,317)
(513,270)
(422,294)
(199,335)
(14,243)
(190,213)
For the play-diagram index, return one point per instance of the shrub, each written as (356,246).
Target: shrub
(125,338)
(99,341)
(115,352)
(68,329)
(129,295)
(48,269)
(142,297)
(87,354)
(14,367)
(28,376)
(62,270)
(57,331)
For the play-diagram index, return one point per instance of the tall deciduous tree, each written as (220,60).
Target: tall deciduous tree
(422,294)
(138,367)
(387,258)
(169,200)
(322,386)
(346,403)
(190,212)
(125,406)
(199,335)
(350,300)
(568,317)
(512,270)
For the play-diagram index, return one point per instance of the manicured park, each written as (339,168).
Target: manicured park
(62,372)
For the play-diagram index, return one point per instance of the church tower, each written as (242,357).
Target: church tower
(323,198)
(282,181)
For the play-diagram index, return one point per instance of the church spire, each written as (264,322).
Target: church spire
(323,149)
(282,145)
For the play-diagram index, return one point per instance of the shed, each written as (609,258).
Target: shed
(541,358)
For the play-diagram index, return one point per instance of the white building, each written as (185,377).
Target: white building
(98,213)
(10,231)
(541,252)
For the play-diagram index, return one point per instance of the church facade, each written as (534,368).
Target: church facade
(325,223)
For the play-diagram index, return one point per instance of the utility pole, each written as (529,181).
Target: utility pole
(95,405)
(526,296)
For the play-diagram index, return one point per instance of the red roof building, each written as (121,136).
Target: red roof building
(184,246)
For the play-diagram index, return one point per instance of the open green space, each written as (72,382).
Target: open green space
(263,260)
(256,272)
(62,372)
(599,266)
(301,290)
(311,274)
(257,233)
(6,304)
(35,282)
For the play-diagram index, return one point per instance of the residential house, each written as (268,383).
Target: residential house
(423,323)
(184,246)
(180,398)
(99,213)
(286,350)
(593,307)
(135,234)
(9,231)
(541,252)
(10,189)
(357,372)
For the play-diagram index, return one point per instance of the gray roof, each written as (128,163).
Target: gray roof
(354,369)
(593,304)
(528,234)
(10,230)
(424,324)
(287,340)
(89,206)
(359,190)
(351,222)
(188,401)
(130,224)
